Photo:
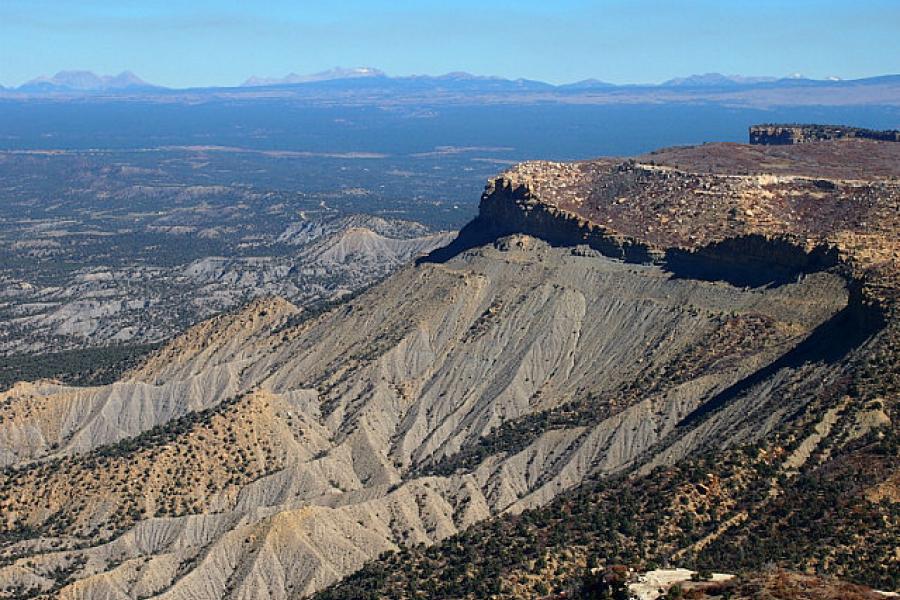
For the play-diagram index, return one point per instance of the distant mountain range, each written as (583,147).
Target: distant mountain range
(86,81)
(705,80)
(368,85)
(717,79)
(329,75)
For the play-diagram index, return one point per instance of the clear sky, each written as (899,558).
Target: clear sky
(222,42)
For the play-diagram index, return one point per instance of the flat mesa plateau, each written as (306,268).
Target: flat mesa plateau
(648,360)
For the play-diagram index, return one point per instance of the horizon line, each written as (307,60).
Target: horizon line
(378,73)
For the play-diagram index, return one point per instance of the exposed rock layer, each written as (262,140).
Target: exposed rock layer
(805,134)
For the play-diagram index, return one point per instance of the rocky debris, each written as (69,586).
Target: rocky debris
(656,584)
(771,134)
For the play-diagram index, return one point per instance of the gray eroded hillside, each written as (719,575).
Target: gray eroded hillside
(362,403)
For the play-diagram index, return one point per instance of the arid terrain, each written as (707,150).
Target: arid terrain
(688,357)
(104,255)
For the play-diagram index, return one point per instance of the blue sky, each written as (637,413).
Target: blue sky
(207,42)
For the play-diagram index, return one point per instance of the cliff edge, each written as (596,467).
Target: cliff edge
(747,214)
(777,134)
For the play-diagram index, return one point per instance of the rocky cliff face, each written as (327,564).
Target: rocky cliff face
(804,134)
(683,211)
(597,319)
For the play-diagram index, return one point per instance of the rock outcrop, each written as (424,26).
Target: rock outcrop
(772,134)
(692,213)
